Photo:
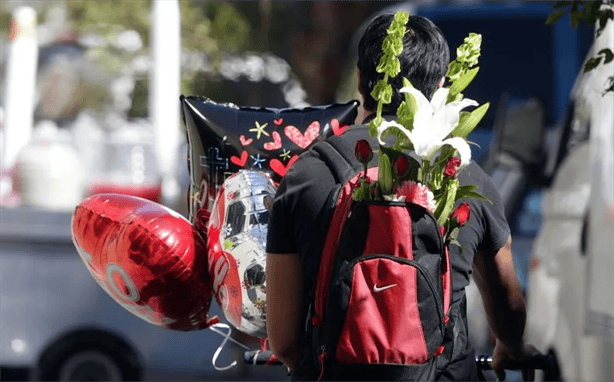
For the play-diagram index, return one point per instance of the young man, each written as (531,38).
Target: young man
(298,224)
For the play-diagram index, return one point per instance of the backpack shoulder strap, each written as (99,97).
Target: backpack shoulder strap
(333,154)
(347,175)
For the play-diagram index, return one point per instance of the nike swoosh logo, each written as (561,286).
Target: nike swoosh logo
(377,289)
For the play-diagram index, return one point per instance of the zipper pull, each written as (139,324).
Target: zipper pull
(322,357)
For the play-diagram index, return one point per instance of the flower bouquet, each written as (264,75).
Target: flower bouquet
(429,146)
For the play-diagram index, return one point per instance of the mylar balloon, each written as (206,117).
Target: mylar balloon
(150,259)
(224,138)
(237,249)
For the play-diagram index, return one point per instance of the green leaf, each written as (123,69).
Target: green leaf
(407,110)
(384,178)
(436,177)
(460,84)
(375,122)
(554,17)
(472,194)
(592,63)
(453,235)
(561,4)
(609,56)
(575,18)
(455,242)
(469,120)
(363,192)
(464,191)
(444,208)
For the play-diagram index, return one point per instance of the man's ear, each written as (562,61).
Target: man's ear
(442,81)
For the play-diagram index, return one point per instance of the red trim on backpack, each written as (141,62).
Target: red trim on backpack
(446,280)
(332,241)
(322,357)
(384,299)
(439,351)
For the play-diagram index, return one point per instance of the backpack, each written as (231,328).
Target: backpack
(383,288)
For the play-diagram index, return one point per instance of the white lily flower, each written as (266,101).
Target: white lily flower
(433,122)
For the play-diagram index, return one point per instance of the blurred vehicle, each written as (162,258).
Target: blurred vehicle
(58,324)
(563,281)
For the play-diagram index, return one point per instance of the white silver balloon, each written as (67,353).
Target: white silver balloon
(237,249)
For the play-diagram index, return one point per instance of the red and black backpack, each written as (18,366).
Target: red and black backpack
(383,288)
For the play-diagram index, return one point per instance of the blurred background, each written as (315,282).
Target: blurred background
(90,103)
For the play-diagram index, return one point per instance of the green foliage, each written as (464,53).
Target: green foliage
(363,192)
(469,120)
(469,192)
(382,91)
(229,27)
(589,13)
(384,179)
(461,71)
(593,62)
(466,57)
(445,203)
(462,82)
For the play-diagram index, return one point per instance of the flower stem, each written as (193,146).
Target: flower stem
(424,171)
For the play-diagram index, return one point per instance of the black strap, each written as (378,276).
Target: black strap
(333,153)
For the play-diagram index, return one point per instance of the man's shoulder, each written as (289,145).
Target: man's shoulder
(474,174)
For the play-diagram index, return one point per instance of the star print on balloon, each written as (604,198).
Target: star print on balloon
(259,129)
(224,138)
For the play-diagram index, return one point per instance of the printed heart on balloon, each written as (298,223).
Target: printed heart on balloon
(240,161)
(275,144)
(300,139)
(245,141)
(279,168)
(337,130)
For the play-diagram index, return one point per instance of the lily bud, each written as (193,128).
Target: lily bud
(451,167)
(461,214)
(400,166)
(363,151)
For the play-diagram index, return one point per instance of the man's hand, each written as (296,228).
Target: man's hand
(502,355)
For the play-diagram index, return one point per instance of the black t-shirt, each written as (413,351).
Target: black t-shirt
(297,220)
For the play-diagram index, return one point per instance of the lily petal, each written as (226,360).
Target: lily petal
(388,124)
(424,115)
(423,140)
(464,151)
(439,98)
(446,119)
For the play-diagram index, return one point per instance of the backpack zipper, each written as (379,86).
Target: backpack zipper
(322,357)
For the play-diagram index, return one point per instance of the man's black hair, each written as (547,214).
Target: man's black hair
(424,60)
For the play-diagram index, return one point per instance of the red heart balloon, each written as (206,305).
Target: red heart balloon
(150,259)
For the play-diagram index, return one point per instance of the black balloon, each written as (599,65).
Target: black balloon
(224,138)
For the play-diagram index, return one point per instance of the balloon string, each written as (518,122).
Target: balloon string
(216,329)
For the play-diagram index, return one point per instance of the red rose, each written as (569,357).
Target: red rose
(461,214)
(401,166)
(363,151)
(451,167)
